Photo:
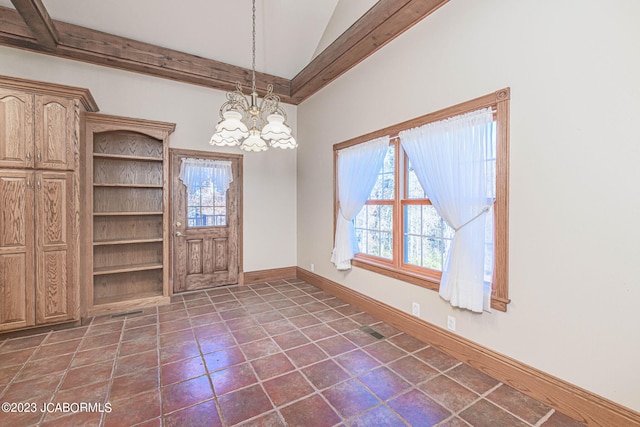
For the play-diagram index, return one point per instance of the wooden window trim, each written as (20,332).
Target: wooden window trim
(499,101)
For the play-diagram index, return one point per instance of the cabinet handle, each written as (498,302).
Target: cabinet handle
(38,184)
(28,182)
(28,156)
(38,156)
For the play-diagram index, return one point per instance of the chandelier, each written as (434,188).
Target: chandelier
(251,124)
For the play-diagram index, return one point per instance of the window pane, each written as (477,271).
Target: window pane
(386,245)
(488,246)
(414,189)
(206,206)
(433,253)
(373,217)
(491,194)
(491,161)
(433,224)
(374,230)
(426,237)
(373,243)
(361,220)
(384,189)
(412,250)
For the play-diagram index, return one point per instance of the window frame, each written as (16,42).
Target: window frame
(396,268)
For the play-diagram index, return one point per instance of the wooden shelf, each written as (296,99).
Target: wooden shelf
(126,269)
(126,241)
(126,157)
(130,298)
(127,179)
(129,185)
(125,213)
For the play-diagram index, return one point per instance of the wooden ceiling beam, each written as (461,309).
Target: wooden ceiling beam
(38,20)
(386,20)
(84,44)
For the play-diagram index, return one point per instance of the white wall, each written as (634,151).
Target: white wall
(573,68)
(269,178)
(345,13)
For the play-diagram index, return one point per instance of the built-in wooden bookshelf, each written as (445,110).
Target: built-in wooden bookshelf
(127,235)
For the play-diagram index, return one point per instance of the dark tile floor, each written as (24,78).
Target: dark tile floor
(282,353)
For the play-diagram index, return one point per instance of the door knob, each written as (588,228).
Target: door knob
(178,234)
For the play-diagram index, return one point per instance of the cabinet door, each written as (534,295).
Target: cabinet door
(16,250)
(55,255)
(16,129)
(55,136)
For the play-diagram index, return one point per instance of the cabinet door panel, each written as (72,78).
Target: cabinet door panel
(16,129)
(54,249)
(16,250)
(54,133)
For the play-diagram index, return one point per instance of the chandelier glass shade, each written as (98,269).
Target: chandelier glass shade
(250,123)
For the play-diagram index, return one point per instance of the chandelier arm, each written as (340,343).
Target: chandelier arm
(270,103)
(233,105)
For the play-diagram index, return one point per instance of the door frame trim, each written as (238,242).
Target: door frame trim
(213,156)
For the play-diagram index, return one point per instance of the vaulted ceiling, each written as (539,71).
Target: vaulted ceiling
(300,45)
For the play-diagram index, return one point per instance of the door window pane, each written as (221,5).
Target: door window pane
(207,205)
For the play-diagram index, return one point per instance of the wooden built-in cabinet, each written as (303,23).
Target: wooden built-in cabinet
(126,232)
(40,206)
(37,131)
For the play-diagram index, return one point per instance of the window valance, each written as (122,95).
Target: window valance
(193,172)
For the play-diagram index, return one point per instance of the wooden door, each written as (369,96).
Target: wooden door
(16,250)
(206,242)
(16,129)
(54,133)
(55,259)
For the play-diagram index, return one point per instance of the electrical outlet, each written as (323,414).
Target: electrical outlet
(451,323)
(313,268)
(415,309)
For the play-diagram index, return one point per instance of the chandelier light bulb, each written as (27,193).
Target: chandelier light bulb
(275,129)
(285,143)
(230,131)
(254,142)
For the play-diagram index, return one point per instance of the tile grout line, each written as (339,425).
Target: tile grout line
(103,417)
(341,334)
(66,372)
(206,370)
(24,364)
(298,305)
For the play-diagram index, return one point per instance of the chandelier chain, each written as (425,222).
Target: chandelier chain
(253,124)
(253,52)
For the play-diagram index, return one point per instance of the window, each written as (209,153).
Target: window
(206,205)
(374,223)
(207,182)
(426,237)
(399,232)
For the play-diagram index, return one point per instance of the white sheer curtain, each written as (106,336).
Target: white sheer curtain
(450,161)
(193,172)
(358,169)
